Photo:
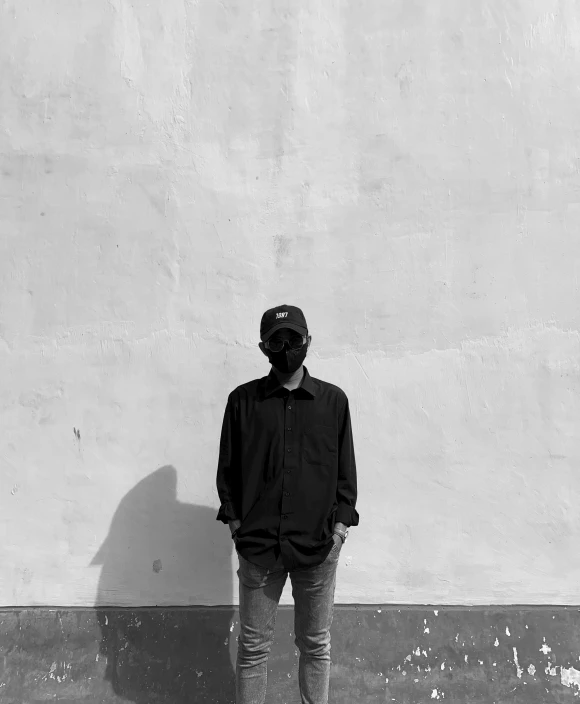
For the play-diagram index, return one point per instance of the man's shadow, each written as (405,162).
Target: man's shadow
(160,552)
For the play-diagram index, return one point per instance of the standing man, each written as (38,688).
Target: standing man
(286,480)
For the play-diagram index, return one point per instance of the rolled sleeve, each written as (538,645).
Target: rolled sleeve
(347,515)
(227,513)
(228,476)
(346,493)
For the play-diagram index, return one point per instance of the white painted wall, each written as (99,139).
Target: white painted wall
(406,172)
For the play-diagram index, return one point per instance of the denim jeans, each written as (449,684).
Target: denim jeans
(313,593)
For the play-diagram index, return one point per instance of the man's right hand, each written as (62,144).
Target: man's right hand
(234,525)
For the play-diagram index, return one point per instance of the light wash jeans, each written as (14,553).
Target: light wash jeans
(313,593)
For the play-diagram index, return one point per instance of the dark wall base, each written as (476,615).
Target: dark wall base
(406,655)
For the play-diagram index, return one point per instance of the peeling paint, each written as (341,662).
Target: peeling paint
(570,677)
(519,670)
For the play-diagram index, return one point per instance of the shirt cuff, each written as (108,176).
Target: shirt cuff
(226,513)
(346,514)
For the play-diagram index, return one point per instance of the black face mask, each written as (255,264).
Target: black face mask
(287,360)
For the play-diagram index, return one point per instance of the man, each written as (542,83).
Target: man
(286,480)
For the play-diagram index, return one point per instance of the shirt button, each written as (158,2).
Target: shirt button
(284,516)
(289,408)
(289,449)
(288,428)
(286,493)
(288,471)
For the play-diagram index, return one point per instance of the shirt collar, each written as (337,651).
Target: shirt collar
(272,383)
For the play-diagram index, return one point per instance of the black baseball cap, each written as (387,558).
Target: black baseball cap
(283,316)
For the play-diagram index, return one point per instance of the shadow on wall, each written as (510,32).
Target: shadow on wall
(158,547)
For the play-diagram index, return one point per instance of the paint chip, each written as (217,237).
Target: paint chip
(507,631)
(496,642)
(531,670)
(545,649)
(570,677)
(519,670)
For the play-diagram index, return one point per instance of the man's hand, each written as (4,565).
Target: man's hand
(341,527)
(234,525)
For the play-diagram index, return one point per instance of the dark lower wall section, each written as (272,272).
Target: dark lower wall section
(406,655)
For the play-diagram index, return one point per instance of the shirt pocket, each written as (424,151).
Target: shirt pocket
(320,443)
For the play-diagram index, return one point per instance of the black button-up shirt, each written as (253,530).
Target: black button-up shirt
(287,470)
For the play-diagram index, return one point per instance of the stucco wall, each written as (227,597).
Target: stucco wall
(407,173)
